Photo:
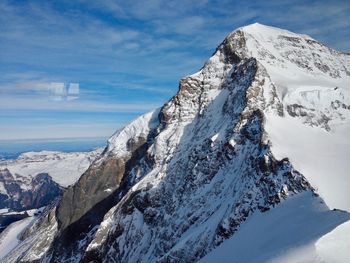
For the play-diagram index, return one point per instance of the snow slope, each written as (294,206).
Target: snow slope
(313,83)
(288,233)
(9,238)
(323,157)
(134,131)
(334,247)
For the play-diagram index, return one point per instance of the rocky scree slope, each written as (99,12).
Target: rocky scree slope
(177,182)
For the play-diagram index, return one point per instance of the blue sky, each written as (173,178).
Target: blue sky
(125,57)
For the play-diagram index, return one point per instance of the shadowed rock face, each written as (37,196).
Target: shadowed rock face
(83,206)
(23,193)
(95,184)
(6,220)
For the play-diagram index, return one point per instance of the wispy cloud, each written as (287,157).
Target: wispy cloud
(128,56)
(45,130)
(41,103)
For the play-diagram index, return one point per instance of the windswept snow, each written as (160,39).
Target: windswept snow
(334,247)
(292,59)
(323,157)
(135,130)
(287,233)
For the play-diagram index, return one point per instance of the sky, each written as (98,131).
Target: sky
(75,69)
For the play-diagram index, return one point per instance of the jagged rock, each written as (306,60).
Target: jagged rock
(39,191)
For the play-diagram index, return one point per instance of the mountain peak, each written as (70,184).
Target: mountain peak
(261,28)
(176,183)
(286,54)
(257,25)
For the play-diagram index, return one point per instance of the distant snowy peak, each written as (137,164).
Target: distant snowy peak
(35,179)
(64,167)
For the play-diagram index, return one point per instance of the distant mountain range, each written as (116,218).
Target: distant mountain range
(12,149)
(36,179)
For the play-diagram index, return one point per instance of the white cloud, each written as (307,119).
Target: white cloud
(40,103)
(60,130)
(144,46)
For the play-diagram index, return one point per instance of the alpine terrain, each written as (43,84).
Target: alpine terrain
(35,180)
(248,162)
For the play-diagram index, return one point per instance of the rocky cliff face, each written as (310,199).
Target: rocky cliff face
(179,181)
(22,193)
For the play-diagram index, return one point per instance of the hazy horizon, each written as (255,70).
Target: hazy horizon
(12,149)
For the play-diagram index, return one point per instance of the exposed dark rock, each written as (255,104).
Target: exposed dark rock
(6,220)
(41,191)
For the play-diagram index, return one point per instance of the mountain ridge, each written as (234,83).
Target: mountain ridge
(177,182)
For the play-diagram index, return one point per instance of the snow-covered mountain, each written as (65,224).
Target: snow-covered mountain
(64,167)
(34,179)
(255,139)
